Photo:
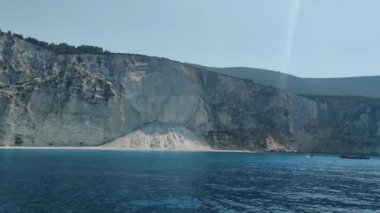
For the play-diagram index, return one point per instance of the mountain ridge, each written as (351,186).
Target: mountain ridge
(355,86)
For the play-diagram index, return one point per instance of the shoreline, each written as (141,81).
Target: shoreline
(99,148)
(123,149)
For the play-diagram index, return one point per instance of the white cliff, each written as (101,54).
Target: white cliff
(142,102)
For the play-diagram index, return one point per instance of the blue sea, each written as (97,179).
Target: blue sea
(127,181)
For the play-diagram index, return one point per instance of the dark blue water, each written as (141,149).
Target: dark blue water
(121,181)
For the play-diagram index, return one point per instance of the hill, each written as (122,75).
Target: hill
(368,86)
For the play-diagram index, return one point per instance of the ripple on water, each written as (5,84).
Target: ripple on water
(70,180)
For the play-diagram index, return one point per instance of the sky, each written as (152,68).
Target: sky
(306,38)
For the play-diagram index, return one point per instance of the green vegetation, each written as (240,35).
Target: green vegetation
(18,140)
(61,48)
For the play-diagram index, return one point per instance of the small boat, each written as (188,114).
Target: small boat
(357,157)
(309,156)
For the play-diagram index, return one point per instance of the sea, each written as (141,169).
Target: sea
(33,180)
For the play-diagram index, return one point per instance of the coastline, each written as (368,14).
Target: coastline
(122,149)
(99,148)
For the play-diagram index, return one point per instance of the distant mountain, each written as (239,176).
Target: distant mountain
(350,86)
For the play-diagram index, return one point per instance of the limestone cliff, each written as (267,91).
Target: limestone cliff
(135,101)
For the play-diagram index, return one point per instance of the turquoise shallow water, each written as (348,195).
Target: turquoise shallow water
(123,181)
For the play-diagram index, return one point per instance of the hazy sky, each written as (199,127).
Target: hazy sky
(308,38)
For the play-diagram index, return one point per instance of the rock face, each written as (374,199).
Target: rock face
(135,101)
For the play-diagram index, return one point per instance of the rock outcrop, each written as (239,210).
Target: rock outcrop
(135,101)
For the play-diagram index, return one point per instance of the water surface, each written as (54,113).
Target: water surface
(119,181)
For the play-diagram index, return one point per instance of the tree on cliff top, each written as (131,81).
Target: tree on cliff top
(61,48)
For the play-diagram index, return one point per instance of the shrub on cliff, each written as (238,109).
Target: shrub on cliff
(18,140)
(61,48)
